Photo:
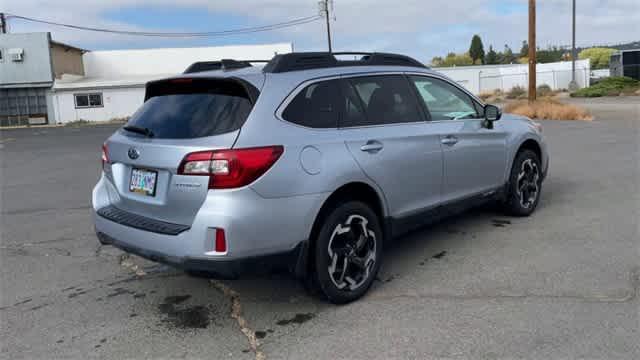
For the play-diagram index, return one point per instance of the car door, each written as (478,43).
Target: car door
(384,129)
(474,156)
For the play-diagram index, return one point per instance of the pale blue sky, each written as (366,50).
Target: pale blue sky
(417,27)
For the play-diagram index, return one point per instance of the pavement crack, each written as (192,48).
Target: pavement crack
(236,313)
(125,262)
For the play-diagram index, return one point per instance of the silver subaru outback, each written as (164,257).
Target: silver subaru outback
(310,162)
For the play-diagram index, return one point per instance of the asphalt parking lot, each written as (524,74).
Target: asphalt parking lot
(562,283)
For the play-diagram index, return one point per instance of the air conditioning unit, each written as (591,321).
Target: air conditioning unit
(16,54)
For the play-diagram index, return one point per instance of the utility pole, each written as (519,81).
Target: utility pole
(3,24)
(324,11)
(573,85)
(532,50)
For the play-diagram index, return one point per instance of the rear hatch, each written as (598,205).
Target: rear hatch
(179,116)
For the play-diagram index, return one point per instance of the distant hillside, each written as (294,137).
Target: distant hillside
(628,46)
(625,46)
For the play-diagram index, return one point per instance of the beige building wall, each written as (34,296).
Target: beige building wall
(66,60)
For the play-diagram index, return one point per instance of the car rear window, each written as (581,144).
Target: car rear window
(192,108)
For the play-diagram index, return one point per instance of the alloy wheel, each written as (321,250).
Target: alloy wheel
(528,183)
(352,253)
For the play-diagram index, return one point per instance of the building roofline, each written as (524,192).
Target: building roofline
(627,50)
(191,47)
(53,42)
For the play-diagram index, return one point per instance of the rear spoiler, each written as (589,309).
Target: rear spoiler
(229,85)
(224,65)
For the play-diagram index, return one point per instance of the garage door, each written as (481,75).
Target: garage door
(23,106)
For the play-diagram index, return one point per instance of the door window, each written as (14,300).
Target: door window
(379,100)
(443,100)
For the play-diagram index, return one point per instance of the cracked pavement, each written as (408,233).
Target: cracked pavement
(560,284)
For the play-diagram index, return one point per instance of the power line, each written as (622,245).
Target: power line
(238,31)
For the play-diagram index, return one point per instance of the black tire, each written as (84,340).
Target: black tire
(361,254)
(523,193)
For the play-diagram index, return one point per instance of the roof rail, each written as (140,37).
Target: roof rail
(224,64)
(318,60)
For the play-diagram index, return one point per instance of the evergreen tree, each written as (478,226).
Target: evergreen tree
(476,50)
(492,57)
(507,55)
(524,50)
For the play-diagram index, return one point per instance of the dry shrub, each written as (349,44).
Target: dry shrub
(492,96)
(544,90)
(517,92)
(548,110)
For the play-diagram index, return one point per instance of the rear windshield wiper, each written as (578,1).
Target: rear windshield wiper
(140,130)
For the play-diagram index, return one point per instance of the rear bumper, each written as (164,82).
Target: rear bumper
(258,230)
(293,260)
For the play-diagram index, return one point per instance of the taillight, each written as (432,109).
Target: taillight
(105,155)
(230,168)
(221,241)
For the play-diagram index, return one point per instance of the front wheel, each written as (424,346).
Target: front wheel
(525,184)
(348,252)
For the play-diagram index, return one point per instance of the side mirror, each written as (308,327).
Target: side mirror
(491,113)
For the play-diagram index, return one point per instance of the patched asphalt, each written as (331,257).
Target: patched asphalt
(562,283)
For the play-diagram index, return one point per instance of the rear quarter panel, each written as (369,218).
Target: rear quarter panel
(314,160)
(520,129)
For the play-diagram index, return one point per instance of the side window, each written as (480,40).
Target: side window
(378,100)
(316,106)
(443,100)
(88,100)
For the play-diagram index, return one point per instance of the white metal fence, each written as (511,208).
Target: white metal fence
(504,77)
(556,79)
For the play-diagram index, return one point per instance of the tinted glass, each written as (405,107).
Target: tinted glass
(95,99)
(354,114)
(443,100)
(316,106)
(385,100)
(184,116)
(82,100)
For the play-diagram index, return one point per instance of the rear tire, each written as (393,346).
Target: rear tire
(525,184)
(347,252)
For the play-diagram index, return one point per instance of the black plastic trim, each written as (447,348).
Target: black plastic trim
(318,60)
(141,222)
(220,268)
(402,225)
(224,65)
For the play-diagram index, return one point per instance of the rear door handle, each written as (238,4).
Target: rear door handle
(449,140)
(372,146)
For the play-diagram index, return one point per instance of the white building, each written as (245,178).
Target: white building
(114,82)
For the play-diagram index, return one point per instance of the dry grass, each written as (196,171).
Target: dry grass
(548,110)
(544,91)
(490,97)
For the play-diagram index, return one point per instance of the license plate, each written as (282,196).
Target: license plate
(143,182)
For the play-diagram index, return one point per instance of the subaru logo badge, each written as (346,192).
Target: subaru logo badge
(133,153)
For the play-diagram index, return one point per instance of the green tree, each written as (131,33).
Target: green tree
(492,57)
(550,54)
(476,50)
(437,61)
(524,50)
(507,55)
(599,57)
(454,59)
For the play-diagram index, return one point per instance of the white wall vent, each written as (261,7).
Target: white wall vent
(16,54)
